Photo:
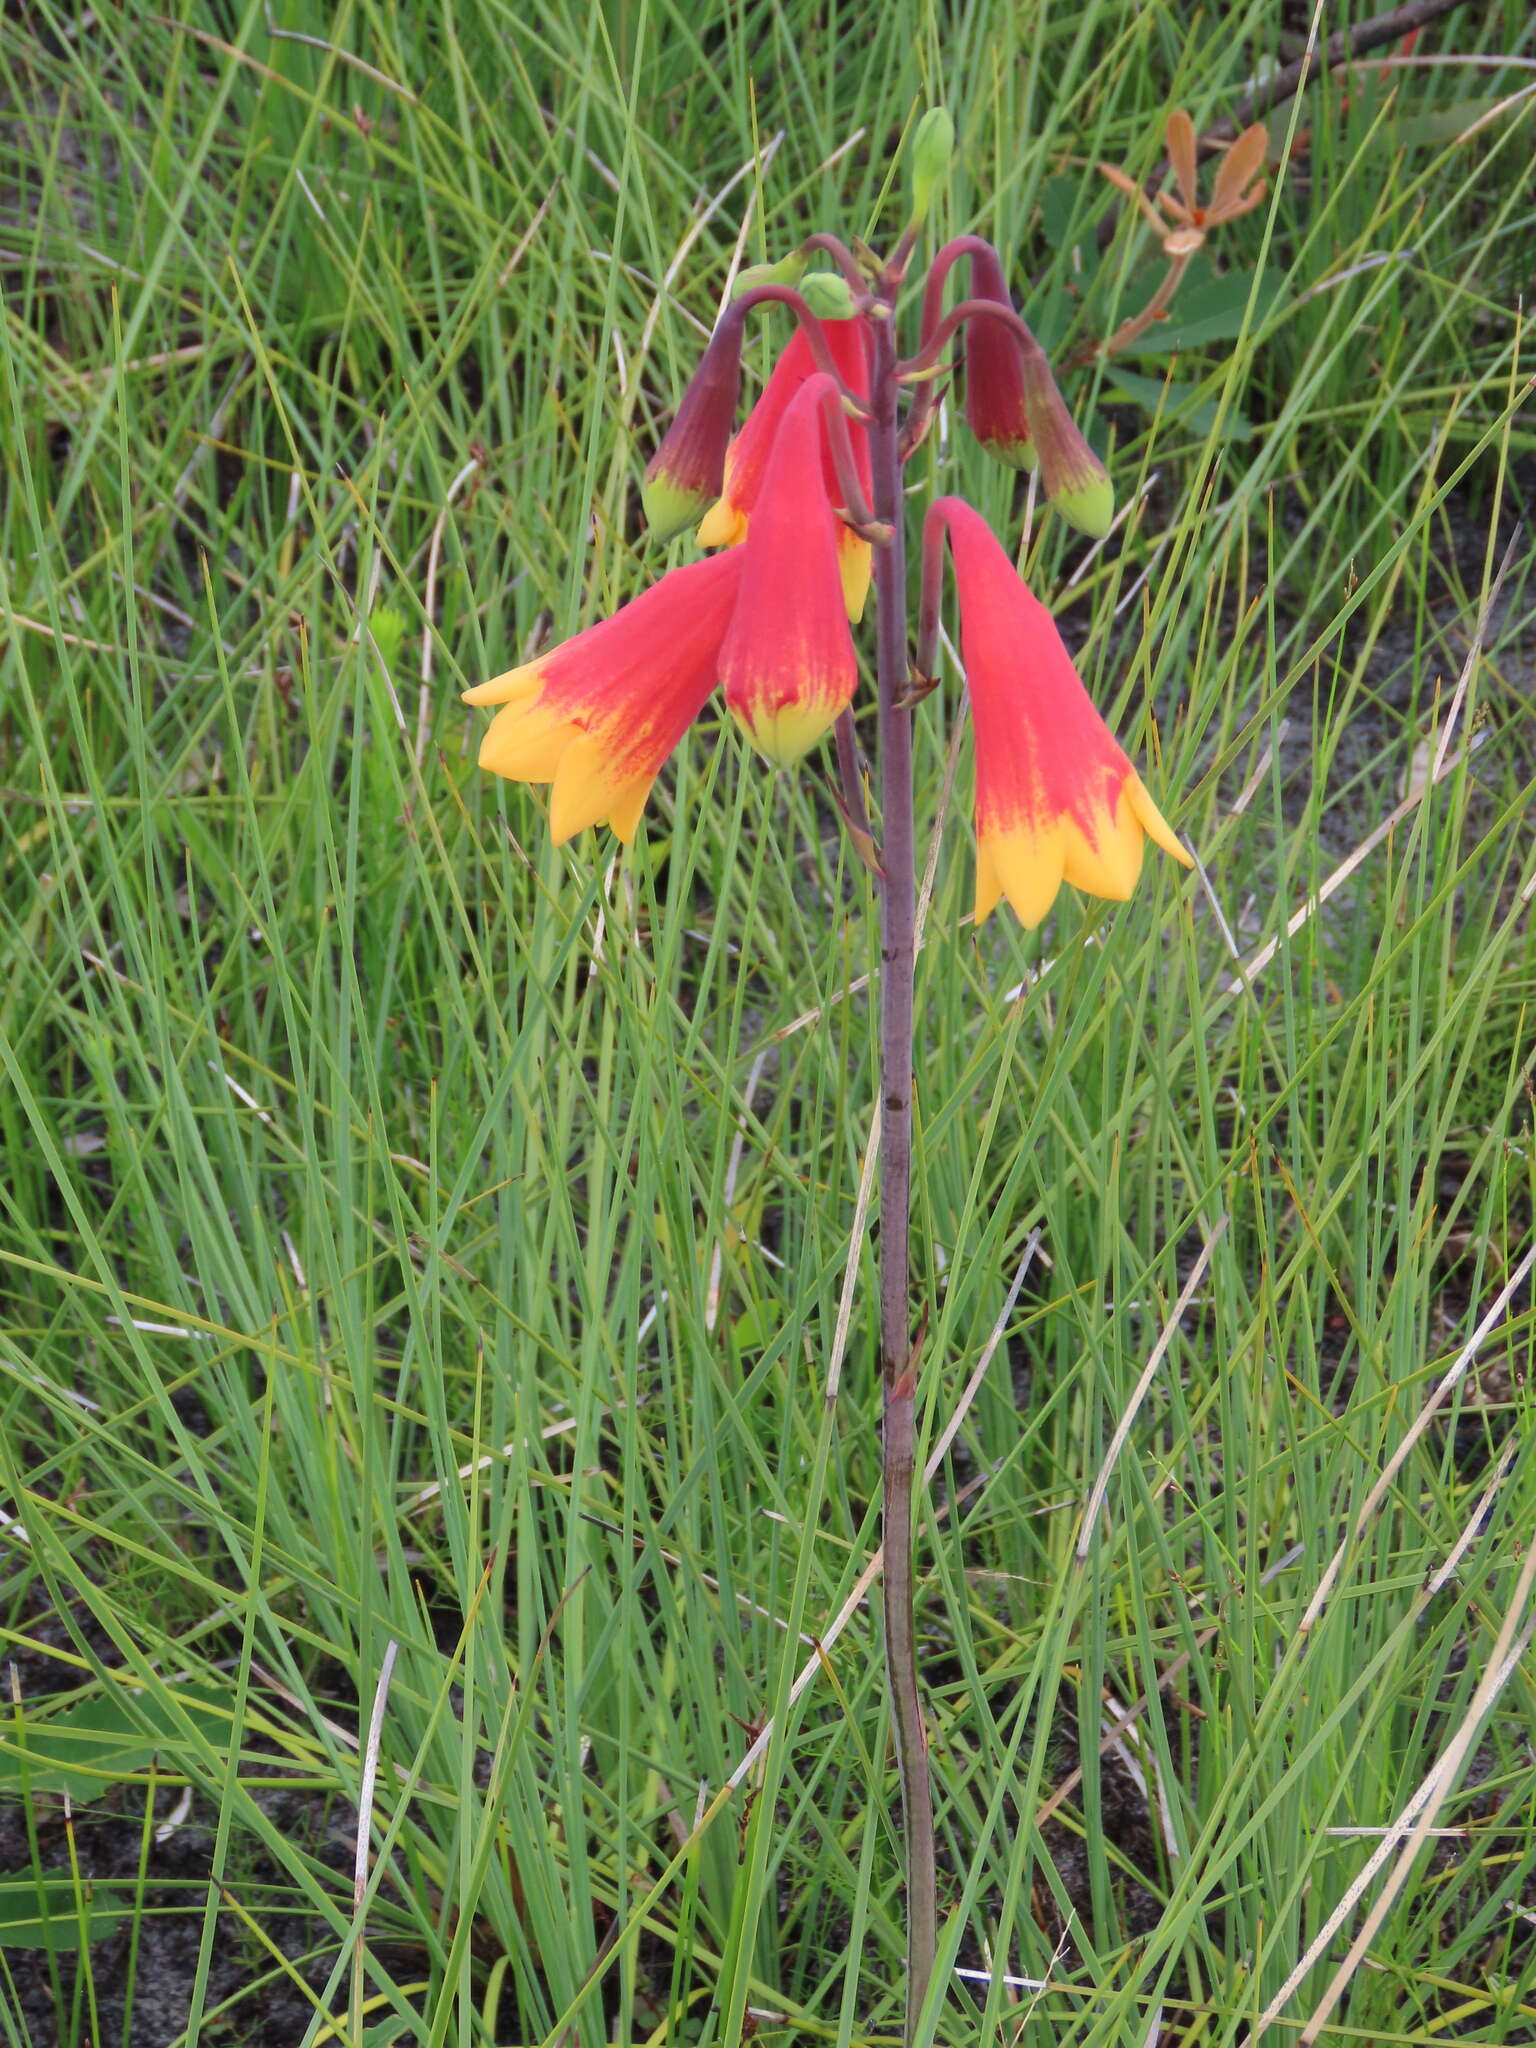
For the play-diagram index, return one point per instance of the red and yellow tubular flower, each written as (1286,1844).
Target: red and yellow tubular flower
(1056,799)
(788,663)
(994,371)
(599,714)
(746,460)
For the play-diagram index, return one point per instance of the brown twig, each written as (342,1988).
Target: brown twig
(1342,47)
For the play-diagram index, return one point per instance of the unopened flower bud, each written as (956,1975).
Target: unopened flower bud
(995,410)
(932,148)
(1075,480)
(788,270)
(828,294)
(683,477)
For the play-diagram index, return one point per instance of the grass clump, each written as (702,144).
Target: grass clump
(424,1246)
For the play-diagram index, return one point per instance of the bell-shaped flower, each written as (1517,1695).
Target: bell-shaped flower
(1056,799)
(788,663)
(746,460)
(599,714)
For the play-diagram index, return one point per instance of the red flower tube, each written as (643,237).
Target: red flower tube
(598,715)
(1056,799)
(788,663)
(746,460)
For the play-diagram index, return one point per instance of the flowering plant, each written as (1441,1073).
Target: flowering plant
(790,498)
(804,501)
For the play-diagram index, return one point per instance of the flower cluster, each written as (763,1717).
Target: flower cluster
(787,500)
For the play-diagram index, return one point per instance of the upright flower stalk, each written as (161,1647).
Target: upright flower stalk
(898,1360)
(799,499)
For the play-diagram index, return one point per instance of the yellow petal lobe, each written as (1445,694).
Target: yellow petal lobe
(1152,821)
(722,526)
(516,684)
(855,565)
(525,743)
(587,785)
(1029,867)
(1107,863)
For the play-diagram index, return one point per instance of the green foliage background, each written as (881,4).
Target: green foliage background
(423,1250)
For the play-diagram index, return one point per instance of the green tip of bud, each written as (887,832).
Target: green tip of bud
(1088,504)
(1017,450)
(788,270)
(933,146)
(671,506)
(828,294)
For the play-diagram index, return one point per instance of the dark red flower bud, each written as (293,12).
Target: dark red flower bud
(683,477)
(995,410)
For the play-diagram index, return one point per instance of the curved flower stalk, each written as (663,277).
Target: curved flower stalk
(1056,799)
(996,410)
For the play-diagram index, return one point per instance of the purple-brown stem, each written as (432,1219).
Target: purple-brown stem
(928,389)
(786,295)
(970,309)
(935,526)
(898,1374)
(843,257)
(835,422)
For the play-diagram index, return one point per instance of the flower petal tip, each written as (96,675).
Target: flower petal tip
(1153,823)
(1020,455)
(723,526)
(1025,866)
(512,687)
(786,735)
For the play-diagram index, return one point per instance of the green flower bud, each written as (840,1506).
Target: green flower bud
(932,148)
(827,294)
(788,270)
(1088,505)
